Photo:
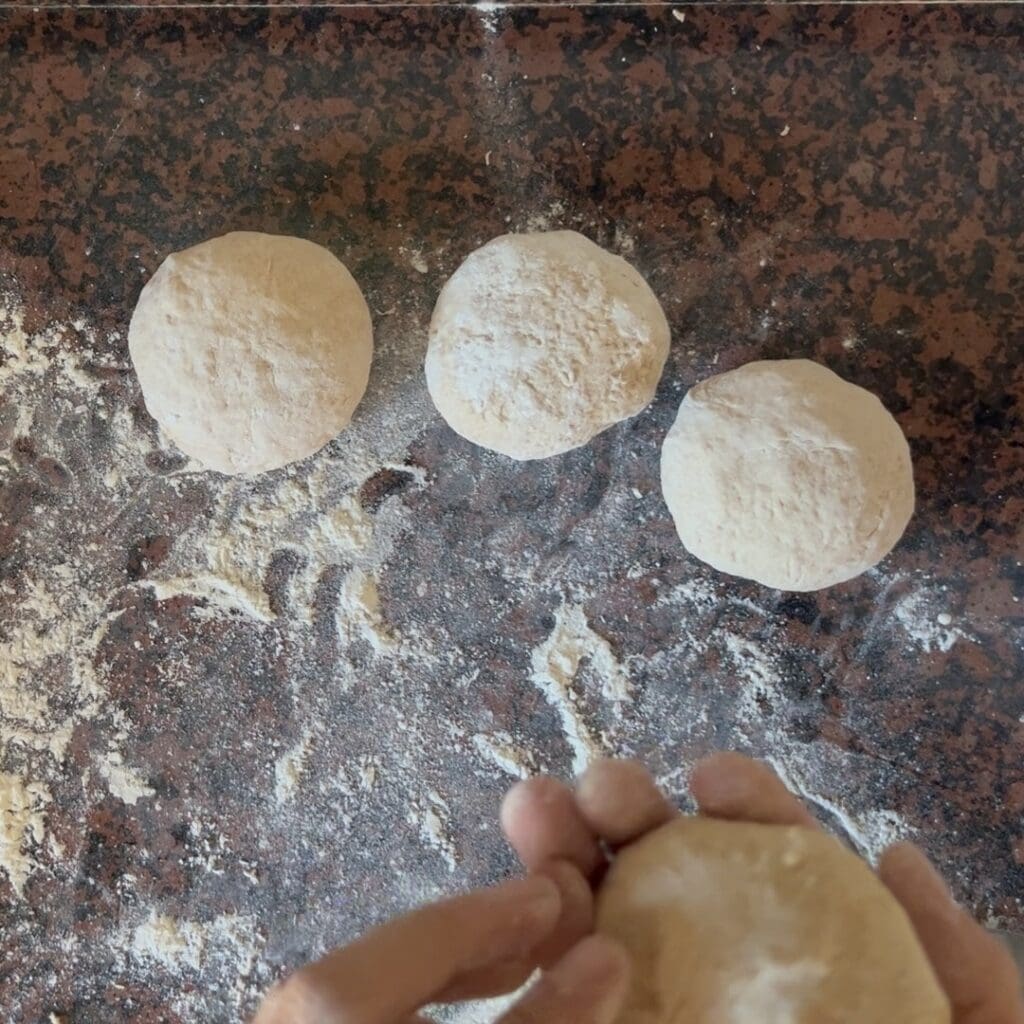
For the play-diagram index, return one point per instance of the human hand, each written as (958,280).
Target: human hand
(617,802)
(485,943)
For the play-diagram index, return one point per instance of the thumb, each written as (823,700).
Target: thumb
(978,974)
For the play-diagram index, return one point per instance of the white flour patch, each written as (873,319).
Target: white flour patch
(804,771)
(122,781)
(755,670)
(222,951)
(288,769)
(500,750)
(367,773)
(220,591)
(415,258)
(927,623)
(555,664)
(546,220)
(359,612)
(22,827)
(169,942)
(429,817)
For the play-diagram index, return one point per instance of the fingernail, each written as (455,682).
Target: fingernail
(536,790)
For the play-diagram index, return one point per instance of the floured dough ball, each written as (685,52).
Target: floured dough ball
(252,350)
(540,341)
(784,473)
(730,923)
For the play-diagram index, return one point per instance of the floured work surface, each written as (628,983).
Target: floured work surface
(243,719)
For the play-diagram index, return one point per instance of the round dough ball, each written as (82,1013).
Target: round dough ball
(784,473)
(730,923)
(252,350)
(540,341)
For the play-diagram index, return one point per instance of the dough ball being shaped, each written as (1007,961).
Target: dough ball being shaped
(784,473)
(252,350)
(540,341)
(732,923)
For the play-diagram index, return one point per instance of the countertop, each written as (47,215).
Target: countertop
(243,719)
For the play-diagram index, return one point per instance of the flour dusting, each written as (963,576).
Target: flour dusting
(257,694)
(926,623)
(22,827)
(556,663)
(123,782)
(429,817)
(169,942)
(288,769)
(501,750)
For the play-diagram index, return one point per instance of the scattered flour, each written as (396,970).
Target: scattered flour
(426,815)
(359,610)
(57,619)
(223,951)
(870,830)
(556,663)
(22,809)
(755,670)
(169,942)
(122,781)
(415,258)
(289,768)
(499,749)
(53,677)
(926,623)
(546,220)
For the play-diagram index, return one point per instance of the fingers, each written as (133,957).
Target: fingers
(731,786)
(577,917)
(574,922)
(587,986)
(394,970)
(978,974)
(542,822)
(619,801)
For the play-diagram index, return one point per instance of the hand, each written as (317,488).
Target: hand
(616,802)
(482,944)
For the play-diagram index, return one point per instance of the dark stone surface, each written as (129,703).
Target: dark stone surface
(834,182)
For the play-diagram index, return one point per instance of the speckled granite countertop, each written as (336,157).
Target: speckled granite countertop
(241,720)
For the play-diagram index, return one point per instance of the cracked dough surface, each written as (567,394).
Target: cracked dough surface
(253,350)
(784,473)
(540,341)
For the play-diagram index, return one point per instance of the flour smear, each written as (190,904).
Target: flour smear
(379,744)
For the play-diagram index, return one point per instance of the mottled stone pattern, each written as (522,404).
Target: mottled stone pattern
(835,182)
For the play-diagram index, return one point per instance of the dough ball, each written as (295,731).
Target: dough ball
(540,341)
(252,350)
(730,923)
(784,473)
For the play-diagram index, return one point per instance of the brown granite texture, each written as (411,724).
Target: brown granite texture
(835,182)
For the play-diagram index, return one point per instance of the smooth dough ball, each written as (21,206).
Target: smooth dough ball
(784,473)
(730,923)
(252,350)
(540,341)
